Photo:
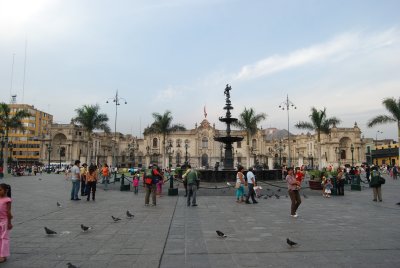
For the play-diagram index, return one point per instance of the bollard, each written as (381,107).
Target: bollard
(172,191)
(356,183)
(124,187)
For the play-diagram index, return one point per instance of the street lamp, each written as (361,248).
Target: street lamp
(117,100)
(59,149)
(280,148)
(376,138)
(286,106)
(49,149)
(337,151)
(186,153)
(352,155)
(254,153)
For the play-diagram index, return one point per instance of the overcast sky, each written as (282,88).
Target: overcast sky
(178,55)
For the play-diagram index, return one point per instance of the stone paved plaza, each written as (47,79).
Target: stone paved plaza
(347,231)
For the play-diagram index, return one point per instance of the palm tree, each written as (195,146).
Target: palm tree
(89,117)
(393,107)
(320,124)
(248,121)
(163,125)
(10,121)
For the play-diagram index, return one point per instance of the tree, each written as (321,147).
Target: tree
(163,125)
(89,117)
(9,121)
(248,121)
(320,124)
(393,107)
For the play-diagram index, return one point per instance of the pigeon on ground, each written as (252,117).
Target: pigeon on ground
(49,232)
(220,234)
(85,228)
(40,179)
(230,185)
(398,203)
(277,196)
(290,242)
(286,196)
(268,189)
(279,189)
(58,205)
(129,215)
(266,197)
(305,196)
(270,195)
(70,265)
(115,218)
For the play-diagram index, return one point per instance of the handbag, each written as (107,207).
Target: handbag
(381,180)
(237,185)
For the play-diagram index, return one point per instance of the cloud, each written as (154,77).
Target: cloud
(339,48)
(169,94)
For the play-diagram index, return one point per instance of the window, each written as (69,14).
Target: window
(254,143)
(239,144)
(204,143)
(155,142)
(178,159)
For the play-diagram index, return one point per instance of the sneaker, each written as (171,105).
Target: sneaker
(255,202)
(294,216)
(380,200)
(374,200)
(194,205)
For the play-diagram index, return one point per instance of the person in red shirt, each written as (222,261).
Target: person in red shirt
(299,175)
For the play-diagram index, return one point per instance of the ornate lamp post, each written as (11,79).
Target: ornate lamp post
(337,151)
(117,100)
(352,155)
(59,150)
(49,149)
(286,106)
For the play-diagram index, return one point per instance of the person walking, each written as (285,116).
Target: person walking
(340,181)
(150,180)
(91,181)
(251,181)
(75,177)
(240,182)
(105,172)
(367,172)
(83,179)
(293,190)
(136,183)
(376,184)
(5,221)
(192,181)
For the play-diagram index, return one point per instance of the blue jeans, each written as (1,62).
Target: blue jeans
(240,192)
(75,189)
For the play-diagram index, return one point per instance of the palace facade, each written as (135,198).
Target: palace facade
(270,148)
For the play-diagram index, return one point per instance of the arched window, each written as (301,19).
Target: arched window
(178,159)
(204,160)
(155,142)
(254,143)
(204,143)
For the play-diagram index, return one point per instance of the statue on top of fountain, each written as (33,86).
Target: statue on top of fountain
(226,91)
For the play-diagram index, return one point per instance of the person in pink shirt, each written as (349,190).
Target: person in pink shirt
(293,190)
(5,221)
(136,183)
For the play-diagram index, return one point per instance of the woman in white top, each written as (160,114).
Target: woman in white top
(240,185)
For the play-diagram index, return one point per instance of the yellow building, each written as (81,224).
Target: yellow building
(386,154)
(26,144)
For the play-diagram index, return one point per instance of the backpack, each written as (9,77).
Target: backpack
(148,176)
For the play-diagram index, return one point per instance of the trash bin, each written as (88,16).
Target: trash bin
(355,182)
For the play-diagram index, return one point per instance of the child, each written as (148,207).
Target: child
(5,221)
(328,187)
(323,182)
(136,183)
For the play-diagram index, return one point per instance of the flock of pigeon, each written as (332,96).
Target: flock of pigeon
(84,228)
